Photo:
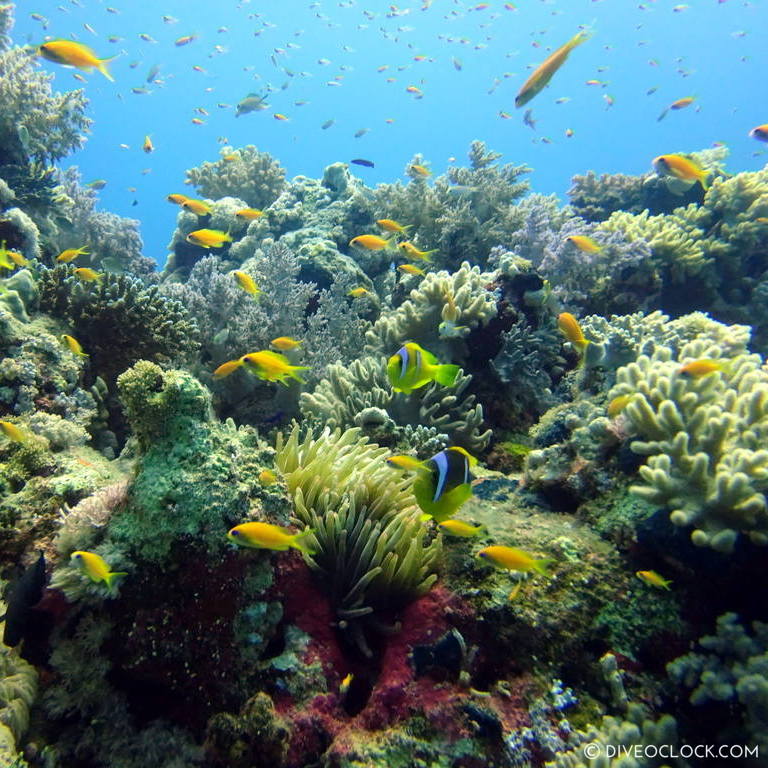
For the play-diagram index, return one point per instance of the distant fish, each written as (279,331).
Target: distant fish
(97,184)
(686,101)
(512,559)
(251,103)
(185,40)
(24,595)
(760,132)
(653,579)
(362,161)
(327,124)
(268,536)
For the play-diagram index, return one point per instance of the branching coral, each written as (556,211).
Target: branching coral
(36,122)
(253,176)
(113,242)
(369,544)
(360,395)
(732,667)
(704,436)
(429,318)
(464,214)
(117,319)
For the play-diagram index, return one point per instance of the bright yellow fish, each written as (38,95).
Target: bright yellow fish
(198,207)
(267,477)
(208,238)
(225,369)
(698,368)
(176,198)
(460,528)
(249,214)
(390,225)
(359,292)
(413,252)
(12,432)
(512,559)
(653,579)
(411,269)
(87,275)
(71,254)
(370,242)
(73,345)
(679,167)
(148,146)
(73,54)
(284,343)
(570,328)
(272,366)
(541,76)
(246,282)
(95,568)
(584,243)
(268,536)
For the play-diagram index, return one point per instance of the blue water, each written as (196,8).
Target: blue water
(712,50)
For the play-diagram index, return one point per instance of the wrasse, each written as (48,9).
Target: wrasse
(546,70)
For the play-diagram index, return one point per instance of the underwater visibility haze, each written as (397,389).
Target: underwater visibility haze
(383,385)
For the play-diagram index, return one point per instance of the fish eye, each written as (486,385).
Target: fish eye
(233,532)
(78,556)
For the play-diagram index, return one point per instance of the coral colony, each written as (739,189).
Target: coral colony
(289,504)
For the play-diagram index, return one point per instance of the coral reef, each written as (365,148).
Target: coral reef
(732,667)
(704,437)
(464,213)
(254,177)
(117,319)
(37,123)
(359,395)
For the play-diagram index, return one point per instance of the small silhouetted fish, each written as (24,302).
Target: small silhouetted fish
(25,594)
(363,161)
(251,103)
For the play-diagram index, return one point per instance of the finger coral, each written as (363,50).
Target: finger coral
(704,436)
(369,545)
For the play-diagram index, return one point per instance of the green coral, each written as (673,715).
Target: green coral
(195,476)
(369,545)
(704,436)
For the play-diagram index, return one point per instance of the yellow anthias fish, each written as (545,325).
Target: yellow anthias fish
(512,559)
(681,168)
(546,70)
(15,257)
(390,225)
(225,369)
(371,242)
(460,528)
(267,477)
(285,343)
(618,404)
(12,432)
(584,243)
(72,253)
(96,569)
(148,146)
(73,345)
(246,282)
(409,463)
(698,368)
(73,54)
(345,683)
(359,292)
(759,132)
(5,259)
(268,536)
(249,214)
(272,366)
(653,579)
(411,269)
(176,198)
(87,275)
(208,238)
(412,251)
(198,207)
(420,170)
(570,328)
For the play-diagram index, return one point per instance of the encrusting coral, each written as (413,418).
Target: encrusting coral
(368,542)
